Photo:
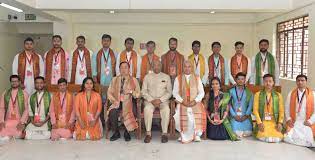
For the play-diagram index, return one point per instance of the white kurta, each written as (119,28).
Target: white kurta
(300,134)
(191,133)
(131,64)
(29,78)
(204,79)
(264,70)
(81,70)
(33,132)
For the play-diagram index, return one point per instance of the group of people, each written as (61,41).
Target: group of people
(126,76)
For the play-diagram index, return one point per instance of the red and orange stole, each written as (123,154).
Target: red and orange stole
(212,66)
(114,95)
(99,63)
(309,105)
(22,65)
(82,107)
(167,62)
(88,66)
(235,66)
(190,90)
(58,108)
(133,58)
(145,65)
(49,63)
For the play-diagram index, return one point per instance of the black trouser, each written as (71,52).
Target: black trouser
(114,115)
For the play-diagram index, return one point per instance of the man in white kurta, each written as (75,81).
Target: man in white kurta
(39,103)
(193,131)
(82,68)
(263,57)
(131,57)
(28,65)
(300,115)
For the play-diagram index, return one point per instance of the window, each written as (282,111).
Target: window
(292,47)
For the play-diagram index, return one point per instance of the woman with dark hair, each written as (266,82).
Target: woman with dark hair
(218,127)
(88,106)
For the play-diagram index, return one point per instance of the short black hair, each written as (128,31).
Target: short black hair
(195,42)
(81,37)
(62,80)
(150,42)
(129,39)
(39,77)
(239,43)
(15,76)
(215,43)
(269,75)
(264,40)
(28,39)
(240,74)
(172,39)
(56,36)
(301,76)
(105,36)
(121,63)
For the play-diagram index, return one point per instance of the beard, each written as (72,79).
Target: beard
(263,50)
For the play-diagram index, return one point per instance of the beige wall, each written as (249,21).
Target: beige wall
(267,29)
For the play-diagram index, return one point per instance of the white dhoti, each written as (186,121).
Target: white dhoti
(37,133)
(191,132)
(300,135)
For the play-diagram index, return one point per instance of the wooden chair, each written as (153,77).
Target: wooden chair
(252,88)
(137,116)
(156,115)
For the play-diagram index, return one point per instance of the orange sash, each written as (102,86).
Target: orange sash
(58,107)
(167,62)
(234,65)
(99,63)
(49,63)
(123,58)
(212,67)
(75,61)
(145,65)
(22,65)
(309,105)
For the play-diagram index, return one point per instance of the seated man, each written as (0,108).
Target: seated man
(190,115)
(62,115)
(269,112)
(13,110)
(120,93)
(156,91)
(39,103)
(299,110)
(241,107)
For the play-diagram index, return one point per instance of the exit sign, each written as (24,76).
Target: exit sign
(29,17)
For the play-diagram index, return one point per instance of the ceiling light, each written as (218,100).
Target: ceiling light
(11,7)
(212,12)
(112,12)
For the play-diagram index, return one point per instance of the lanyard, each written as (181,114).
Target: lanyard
(300,100)
(39,103)
(268,103)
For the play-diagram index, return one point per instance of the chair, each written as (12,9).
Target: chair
(252,88)
(137,116)
(156,115)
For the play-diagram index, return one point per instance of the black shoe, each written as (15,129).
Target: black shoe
(115,136)
(127,136)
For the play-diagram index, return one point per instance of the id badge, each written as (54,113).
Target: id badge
(172,71)
(107,70)
(216,117)
(82,72)
(239,113)
(36,118)
(90,116)
(267,117)
(29,73)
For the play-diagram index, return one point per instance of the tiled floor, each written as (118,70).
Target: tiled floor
(137,150)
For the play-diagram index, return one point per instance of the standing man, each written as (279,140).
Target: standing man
(80,62)
(172,61)
(156,91)
(269,112)
(56,62)
(239,63)
(264,63)
(131,57)
(39,103)
(147,60)
(28,65)
(200,65)
(13,110)
(217,64)
(300,115)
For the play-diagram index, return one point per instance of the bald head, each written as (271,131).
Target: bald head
(157,66)
(187,67)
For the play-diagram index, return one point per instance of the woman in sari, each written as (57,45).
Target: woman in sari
(218,126)
(88,106)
